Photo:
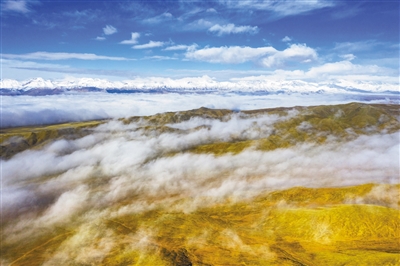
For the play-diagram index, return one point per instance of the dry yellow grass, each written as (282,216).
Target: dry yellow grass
(298,226)
(356,225)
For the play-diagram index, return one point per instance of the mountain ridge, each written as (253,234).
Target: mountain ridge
(40,86)
(342,121)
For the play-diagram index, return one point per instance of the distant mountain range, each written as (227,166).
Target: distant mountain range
(204,84)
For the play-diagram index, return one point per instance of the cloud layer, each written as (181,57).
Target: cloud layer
(281,8)
(61,56)
(123,170)
(28,110)
(118,161)
(232,29)
(265,56)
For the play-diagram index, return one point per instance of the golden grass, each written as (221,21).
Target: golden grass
(323,121)
(298,226)
(14,140)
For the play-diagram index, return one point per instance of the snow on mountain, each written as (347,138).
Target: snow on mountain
(204,83)
(10,84)
(37,83)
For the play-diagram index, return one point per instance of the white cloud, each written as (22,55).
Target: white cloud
(134,38)
(98,177)
(145,173)
(350,47)
(286,39)
(349,11)
(231,28)
(200,24)
(296,52)
(189,14)
(181,47)
(16,6)
(166,16)
(27,110)
(61,56)
(348,57)
(109,30)
(343,67)
(266,56)
(229,55)
(160,57)
(100,38)
(345,74)
(281,8)
(149,45)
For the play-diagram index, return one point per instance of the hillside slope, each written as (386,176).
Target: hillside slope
(285,186)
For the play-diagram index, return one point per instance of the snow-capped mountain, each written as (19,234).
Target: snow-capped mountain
(37,83)
(40,86)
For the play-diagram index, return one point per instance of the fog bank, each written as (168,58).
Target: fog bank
(29,110)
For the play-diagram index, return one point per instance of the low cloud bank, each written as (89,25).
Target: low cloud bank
(123,170)
(122,163)
(27,110)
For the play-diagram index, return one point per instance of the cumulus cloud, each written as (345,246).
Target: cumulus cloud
(296,52)
(149,45)
(100,38)
(265,56)
(345,74)
(343,67)
(109,30)
(229,55)
(286,39)
(232,29)
(61,56)
(134,38)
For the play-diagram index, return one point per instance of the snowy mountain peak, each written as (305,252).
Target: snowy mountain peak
(38,83)
(204,83)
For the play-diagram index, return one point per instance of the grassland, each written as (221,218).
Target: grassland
(298,226)
(333,225)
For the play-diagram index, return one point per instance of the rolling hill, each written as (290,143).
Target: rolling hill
(314,185)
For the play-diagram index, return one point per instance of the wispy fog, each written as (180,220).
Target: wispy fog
(123,169)
(98,174)
(29,110)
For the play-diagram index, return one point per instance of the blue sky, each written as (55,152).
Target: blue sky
(224,39)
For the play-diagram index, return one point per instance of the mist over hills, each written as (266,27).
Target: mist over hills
(315,185)
(199,133)
(256,84)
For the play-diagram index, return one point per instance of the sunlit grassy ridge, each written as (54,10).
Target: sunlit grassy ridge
(307,124)
(333,225)
(315,124)
(14,140)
